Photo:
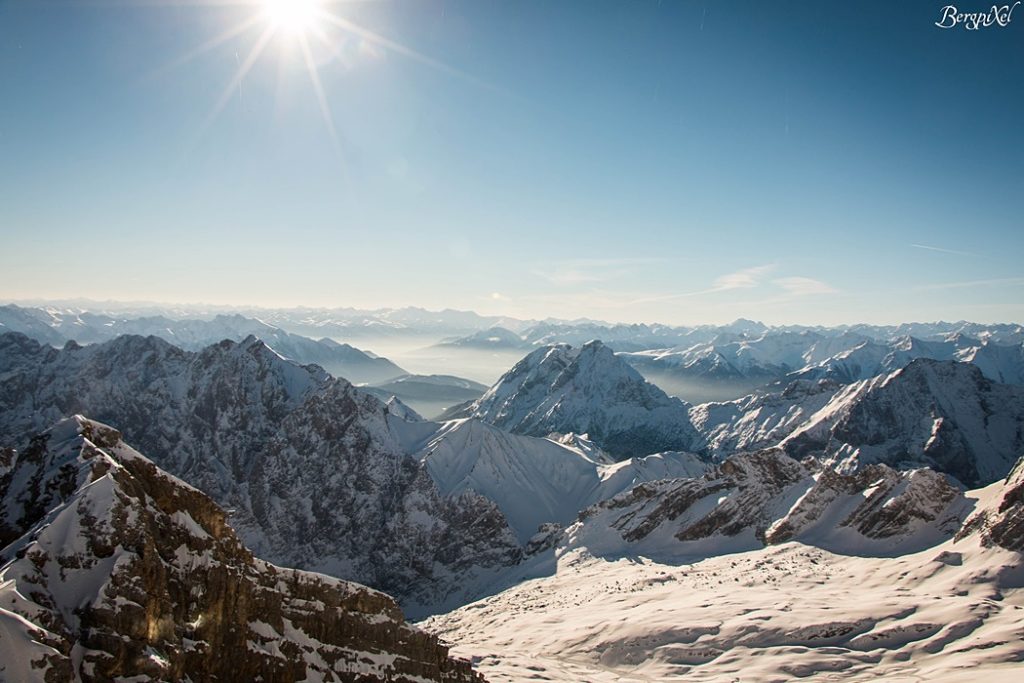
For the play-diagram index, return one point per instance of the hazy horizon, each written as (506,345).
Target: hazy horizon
(207,308)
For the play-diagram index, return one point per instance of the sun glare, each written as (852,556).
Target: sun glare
(294,17)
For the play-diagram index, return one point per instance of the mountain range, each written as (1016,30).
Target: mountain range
(571,459)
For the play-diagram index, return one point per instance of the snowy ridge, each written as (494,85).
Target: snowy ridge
(766,497)
(55,327)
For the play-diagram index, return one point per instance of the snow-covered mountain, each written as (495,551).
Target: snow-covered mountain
(1001,523)
(58,327)
(115,570)
(729,364)
(759,420)
(620,337)
(941,414)
(537,481)
(586,390)
(867,359)
(312,468)
(945,415)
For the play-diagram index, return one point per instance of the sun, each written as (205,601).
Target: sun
(293,17)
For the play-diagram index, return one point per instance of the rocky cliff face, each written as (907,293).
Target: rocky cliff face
(114,569)
(766,497)
(309,465)
(1002,524)
(940,414)
(586,390)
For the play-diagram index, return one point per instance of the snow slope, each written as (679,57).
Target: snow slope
(533,480)
(950,612)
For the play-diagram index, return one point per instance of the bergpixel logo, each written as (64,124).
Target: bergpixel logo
(952,17)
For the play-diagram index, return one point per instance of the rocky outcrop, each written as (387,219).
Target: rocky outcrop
(1002,524)
(122,570)
(766,497)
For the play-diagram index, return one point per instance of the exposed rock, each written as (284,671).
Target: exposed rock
(308,464)
(766,497)
(1003,523)
(127,571)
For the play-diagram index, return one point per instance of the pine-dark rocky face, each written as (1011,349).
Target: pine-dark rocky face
(119,570)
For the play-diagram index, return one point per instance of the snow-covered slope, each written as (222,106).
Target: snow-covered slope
(1001,523)
(766,497)
(705,609)
(313,469)
(534,480)
(114,570)
(587,390)
(790,612)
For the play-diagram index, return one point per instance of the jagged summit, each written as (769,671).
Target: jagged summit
(261,434)
(586,389)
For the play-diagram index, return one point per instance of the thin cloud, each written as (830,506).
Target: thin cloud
(742,279)
(802,286)
(942,250)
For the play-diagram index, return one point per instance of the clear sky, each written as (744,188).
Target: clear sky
(679,161)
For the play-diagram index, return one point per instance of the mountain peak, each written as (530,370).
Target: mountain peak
(587,389)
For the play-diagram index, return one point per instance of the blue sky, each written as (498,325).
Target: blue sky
(681,162)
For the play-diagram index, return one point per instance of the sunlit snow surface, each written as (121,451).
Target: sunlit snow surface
(954,612)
